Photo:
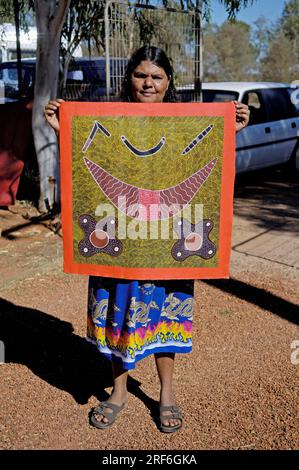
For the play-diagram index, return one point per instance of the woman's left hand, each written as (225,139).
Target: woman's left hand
(242,115)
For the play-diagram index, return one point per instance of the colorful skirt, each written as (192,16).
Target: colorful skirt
(129,320)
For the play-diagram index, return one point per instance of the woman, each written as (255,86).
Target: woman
(148,79)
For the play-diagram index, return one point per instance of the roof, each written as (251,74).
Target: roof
(241,86)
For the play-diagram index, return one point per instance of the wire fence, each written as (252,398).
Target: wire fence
(128,26)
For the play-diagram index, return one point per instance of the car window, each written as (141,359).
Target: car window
(218,96)
(255,102)
(88,72)
(86,80)
(75,75)
(279,104)
(12,74)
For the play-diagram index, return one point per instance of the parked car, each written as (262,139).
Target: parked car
(86,78)
(9,79)
(271,138)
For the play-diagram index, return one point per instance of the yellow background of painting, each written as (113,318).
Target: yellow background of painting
(164,169)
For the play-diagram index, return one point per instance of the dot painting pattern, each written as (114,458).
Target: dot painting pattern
(99,236)
(193,240)
(107,160)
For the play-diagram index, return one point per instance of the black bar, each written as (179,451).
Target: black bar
(137,459)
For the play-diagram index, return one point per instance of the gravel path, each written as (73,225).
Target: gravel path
(238,389)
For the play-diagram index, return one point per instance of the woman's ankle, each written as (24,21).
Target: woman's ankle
(166,395)
(119,392)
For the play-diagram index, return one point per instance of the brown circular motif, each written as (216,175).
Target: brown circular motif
(193,242)
(99,238)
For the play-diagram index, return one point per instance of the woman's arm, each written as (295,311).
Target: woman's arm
(51,113)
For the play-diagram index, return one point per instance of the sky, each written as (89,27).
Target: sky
(270,9)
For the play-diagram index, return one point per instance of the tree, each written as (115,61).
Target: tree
(50,16)
(279,63)
(228,52)
(234,6)
(262,33)
(290,20)
(281,59)
(84,24)
(289,24)
(6,12)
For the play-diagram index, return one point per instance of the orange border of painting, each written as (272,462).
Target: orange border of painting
(226,110)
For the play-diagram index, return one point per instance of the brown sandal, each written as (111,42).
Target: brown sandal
(102,410)
(175,414)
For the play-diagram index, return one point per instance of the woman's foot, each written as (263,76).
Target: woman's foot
(167,400)
(116,398)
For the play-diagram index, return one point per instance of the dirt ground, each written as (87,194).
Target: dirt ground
(237,390)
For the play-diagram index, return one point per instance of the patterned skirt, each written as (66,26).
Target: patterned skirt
(129,320)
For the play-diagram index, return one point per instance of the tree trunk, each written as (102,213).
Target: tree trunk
(50,16)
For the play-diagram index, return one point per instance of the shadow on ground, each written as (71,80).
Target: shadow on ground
(48,347)
(259,297)
(268,198)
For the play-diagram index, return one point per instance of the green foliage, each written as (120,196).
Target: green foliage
(7,12)
(234,6)
(289,22)
(228,52)
(84,23)
(279,64)
(261,35)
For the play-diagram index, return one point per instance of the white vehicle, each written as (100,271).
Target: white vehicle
(271,138)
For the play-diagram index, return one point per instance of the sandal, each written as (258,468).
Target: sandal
(175,414)
(102,410)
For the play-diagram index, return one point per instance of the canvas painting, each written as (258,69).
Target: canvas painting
(147,189)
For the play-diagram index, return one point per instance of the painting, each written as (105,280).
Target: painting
(147,189)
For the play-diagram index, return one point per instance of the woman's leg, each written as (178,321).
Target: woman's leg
(119,394)
(165,367)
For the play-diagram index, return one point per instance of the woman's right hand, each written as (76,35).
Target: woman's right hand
(51,113)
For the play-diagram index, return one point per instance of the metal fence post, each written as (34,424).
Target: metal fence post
(198,73)
(107,49)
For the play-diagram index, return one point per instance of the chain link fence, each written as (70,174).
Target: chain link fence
(128,26)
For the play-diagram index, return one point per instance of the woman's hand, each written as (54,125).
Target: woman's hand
(51,113)
(242,115)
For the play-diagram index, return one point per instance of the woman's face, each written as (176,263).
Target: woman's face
(149,83)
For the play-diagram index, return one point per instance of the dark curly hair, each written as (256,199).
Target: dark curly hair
(158,57)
